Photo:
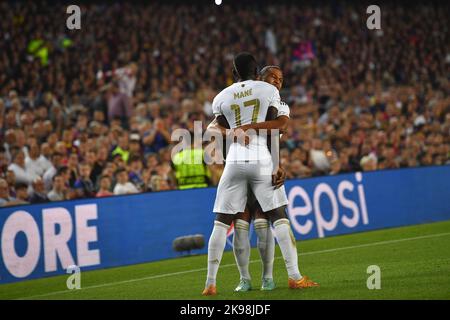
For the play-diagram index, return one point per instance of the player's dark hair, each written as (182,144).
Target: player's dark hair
(266,69)
(245,66)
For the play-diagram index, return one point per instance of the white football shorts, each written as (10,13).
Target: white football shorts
(237,177)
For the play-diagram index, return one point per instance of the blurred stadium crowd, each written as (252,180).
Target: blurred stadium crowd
(89,112)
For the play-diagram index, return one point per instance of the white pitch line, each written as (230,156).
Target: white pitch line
(371,244)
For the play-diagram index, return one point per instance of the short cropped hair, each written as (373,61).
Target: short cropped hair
(266,69)
(245,65)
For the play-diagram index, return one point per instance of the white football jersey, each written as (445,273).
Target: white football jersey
(244,103)
(284,110)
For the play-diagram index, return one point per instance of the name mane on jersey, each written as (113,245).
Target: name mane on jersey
(243,94)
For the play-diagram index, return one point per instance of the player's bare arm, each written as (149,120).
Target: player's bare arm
(280,123)
(215,127)
(279,177)
(222,127)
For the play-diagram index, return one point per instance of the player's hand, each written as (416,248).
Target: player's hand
(279,177)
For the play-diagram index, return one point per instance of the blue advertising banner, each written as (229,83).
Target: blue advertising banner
(46,239)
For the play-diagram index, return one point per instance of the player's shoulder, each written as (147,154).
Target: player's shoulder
(220,96)
(226,91)
(264,85)
(284,104)
(284,110)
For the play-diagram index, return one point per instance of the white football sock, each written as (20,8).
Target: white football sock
(241,247)
(266,246)
(286,241)
(216,245)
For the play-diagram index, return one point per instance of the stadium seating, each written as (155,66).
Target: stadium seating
(109,95)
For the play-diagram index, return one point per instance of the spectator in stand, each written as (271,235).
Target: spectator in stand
(368,163)
(122,148)
(125,77)
(73,166)
(135,146)
(11,180)
(10,141)
(158,138)
(123,186)
(64,172)
(20,170)
(119,105)
(84,186)
(356,101)
(3,162)
(157,183)
(58,189)
(22,193)
(335,167)
(5,199)
(38,194)
(95,164)
(34,163)
(105,187)
(136,171)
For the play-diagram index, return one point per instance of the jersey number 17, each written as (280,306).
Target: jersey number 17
(237,111)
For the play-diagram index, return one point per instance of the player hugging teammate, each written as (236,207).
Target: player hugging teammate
(251,186)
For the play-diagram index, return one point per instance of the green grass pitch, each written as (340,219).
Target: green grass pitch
(414,263)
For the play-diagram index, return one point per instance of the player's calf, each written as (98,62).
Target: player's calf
(216,246)
(266,246)
(241,247)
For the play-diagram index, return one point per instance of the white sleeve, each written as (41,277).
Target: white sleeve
(217,110)
(275,101)
(284,110)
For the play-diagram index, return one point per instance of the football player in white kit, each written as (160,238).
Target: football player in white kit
(249,102)
(265,239)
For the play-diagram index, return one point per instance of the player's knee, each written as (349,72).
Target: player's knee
(261,226)
(277,214)
(261,223)
(241,225)
(259,214)
(225,218)
(244,216)
(281,221)
(240,238)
